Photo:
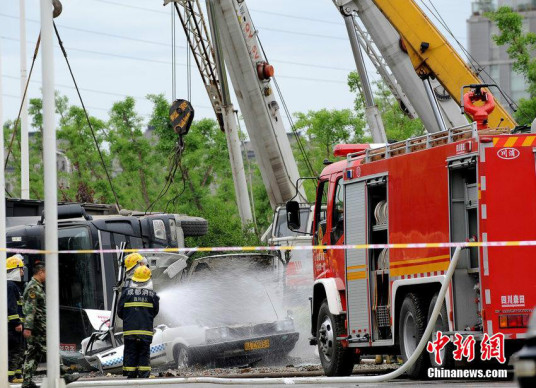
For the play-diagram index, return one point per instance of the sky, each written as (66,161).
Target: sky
(120,48)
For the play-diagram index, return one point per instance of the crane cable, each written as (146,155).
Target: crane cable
(87,118)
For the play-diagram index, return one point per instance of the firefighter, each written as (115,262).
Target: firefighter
(15,275)
(34,310)
(137,308)
(132,262)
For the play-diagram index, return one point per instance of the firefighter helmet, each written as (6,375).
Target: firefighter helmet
(132,259)
(14,262)
(142,274)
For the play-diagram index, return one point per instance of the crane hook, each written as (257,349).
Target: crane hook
(57,8)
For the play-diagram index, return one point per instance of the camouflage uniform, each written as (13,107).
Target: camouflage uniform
(34,310)
(15,339)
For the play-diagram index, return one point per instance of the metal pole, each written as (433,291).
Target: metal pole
(372,112)
(24,149)
(51,203)
(3,275)
(435,106)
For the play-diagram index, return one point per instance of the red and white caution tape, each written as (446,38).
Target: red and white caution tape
(476,244)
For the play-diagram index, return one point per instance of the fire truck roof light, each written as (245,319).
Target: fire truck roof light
(345,149)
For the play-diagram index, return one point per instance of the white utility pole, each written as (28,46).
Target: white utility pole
(24,149)
(3,273)
(51,201)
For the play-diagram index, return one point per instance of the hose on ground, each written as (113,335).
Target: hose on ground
(300,380)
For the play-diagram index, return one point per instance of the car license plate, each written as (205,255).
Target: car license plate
(254,345)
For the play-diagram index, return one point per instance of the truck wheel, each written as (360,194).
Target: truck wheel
(183,357)
(442,324)
(411,326)
(193,226)
(336,360)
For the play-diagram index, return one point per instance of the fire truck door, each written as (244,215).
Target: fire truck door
(358,308)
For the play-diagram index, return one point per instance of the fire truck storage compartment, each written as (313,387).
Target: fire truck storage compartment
(367,222)
(377,212)
(463,196)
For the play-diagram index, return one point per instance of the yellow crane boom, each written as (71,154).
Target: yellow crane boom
(432,55)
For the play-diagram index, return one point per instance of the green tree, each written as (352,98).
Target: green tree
(203,184)
(133,157)
(521,48)
(87,180)
(323,129)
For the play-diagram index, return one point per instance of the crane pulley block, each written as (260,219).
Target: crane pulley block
(181,114)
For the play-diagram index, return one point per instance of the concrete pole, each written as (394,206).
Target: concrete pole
(51,201)
(3,274)
(24,149)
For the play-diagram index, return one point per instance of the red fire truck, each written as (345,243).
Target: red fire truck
(449,186)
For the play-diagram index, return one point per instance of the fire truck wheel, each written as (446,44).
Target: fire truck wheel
(411,326)
(183,357)
(442,324)
(336,360)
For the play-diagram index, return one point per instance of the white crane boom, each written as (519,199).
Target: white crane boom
(250,75)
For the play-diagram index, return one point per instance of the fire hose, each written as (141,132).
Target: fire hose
(300,380)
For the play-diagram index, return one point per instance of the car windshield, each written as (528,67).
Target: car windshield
(281,228)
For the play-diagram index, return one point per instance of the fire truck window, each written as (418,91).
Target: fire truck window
(338,213)
(320,212)
(80,277)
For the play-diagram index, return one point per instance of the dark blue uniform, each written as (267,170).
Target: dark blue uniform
(137,308)
(15,339)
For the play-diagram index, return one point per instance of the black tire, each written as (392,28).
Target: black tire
(193,226)
(442,324)
(411,326)
(183,357)
(336,360)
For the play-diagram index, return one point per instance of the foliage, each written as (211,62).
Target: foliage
(323,129)
(520,47)
(398,126)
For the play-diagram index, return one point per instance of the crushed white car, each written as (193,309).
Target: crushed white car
(216,313)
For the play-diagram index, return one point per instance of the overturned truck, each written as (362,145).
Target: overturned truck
(87,280)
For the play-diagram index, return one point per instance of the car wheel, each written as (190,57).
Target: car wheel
(411,327)
(442,324)
(336,360)
(183,357)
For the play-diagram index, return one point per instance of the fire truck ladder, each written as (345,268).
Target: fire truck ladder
(420,143)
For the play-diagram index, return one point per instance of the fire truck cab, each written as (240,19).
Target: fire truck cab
(451,186)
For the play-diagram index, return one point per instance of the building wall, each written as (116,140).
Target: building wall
(493,59)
